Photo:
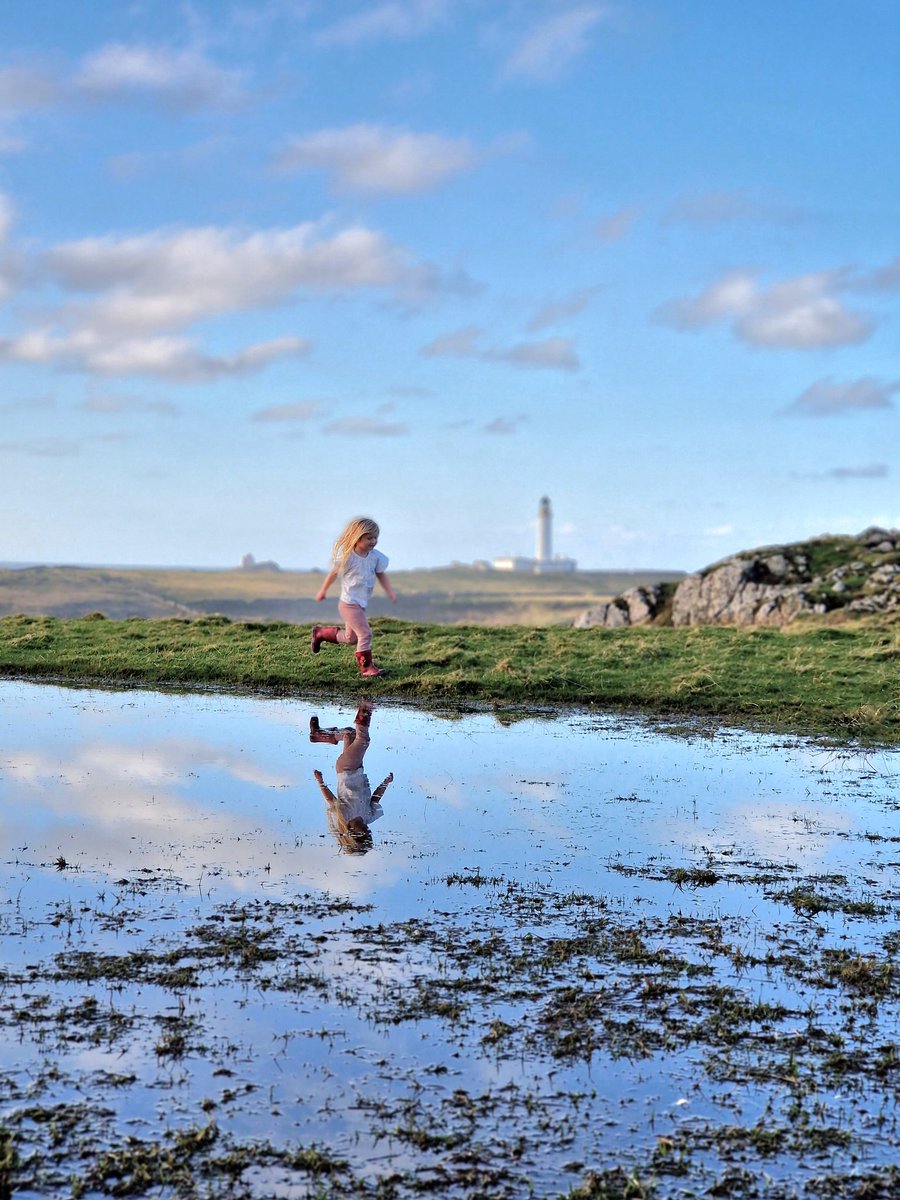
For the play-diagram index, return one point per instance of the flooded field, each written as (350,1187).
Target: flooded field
(564,955)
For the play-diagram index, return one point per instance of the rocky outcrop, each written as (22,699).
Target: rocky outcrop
(771,586)
(761,590)
(637,606)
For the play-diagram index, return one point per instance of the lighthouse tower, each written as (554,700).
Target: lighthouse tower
(544,561)
(544,550)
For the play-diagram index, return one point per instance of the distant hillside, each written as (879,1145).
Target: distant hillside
(446,596)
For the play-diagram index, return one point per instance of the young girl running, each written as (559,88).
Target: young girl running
(359,564)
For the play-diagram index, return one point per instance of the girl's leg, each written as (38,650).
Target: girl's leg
(356,627)
(354,750)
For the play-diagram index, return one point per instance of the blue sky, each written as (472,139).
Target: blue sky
(267,266)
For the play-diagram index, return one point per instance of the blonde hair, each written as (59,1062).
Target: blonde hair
(358,528)
(351,841)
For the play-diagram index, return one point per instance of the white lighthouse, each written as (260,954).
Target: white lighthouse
(544,548)
(543,561)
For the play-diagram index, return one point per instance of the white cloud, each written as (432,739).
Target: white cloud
(164,280)
(372,158)
(803,313)
(183,80)
(392,20)
(140,293)
(825,398)
(175,358)
(552,353)
(560,310)
(545,52)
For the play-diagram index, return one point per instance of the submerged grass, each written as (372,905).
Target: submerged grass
(826,680)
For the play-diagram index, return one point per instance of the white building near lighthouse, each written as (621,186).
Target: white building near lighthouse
(544,562)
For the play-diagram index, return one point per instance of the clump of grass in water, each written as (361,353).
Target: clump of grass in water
(692,876)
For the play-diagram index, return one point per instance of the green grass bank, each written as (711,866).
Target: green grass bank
(836,681)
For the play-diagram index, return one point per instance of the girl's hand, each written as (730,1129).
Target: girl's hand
(319,777)
(321,595)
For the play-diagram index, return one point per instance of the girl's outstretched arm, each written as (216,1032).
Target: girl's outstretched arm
(326,790)
(382,788)
(328,581)
(382,578)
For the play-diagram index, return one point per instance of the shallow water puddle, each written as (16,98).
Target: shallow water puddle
(578,954)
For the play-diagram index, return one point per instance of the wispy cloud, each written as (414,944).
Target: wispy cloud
(390,21)
(26,86)
(549,48)
(376,426)
(615,226)
(707,209)
(42,447)
(10,265)
(803,313)
(505,426)
(180,80)
(872,471)
(555,311)
(550,353)
(103,403)
(869,471)
(826,398)
(373,158)
(302,410)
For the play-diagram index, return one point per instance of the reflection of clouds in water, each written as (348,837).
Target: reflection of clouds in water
(767,829)
(185,805)
(147,764)
(437,789)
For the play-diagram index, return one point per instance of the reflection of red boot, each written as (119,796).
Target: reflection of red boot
(363,715)
(366,666)
(320,634)
(316,734)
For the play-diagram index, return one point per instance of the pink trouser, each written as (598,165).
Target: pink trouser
(356,743)
(356,626)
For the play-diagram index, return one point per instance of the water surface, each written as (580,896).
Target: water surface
(576,944)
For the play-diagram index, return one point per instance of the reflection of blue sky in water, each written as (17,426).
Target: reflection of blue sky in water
(214,798)
(222,788)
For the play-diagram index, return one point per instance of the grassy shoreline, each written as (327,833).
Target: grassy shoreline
(835,681)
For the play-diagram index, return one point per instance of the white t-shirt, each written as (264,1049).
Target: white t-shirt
(358,576)
(354,795)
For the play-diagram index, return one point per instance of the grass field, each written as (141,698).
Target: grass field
(837,681)
(448,596)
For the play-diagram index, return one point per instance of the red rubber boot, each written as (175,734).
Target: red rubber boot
(322,633)
(316,734)
(366,666)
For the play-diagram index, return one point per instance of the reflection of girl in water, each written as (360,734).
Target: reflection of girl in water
(356,806)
